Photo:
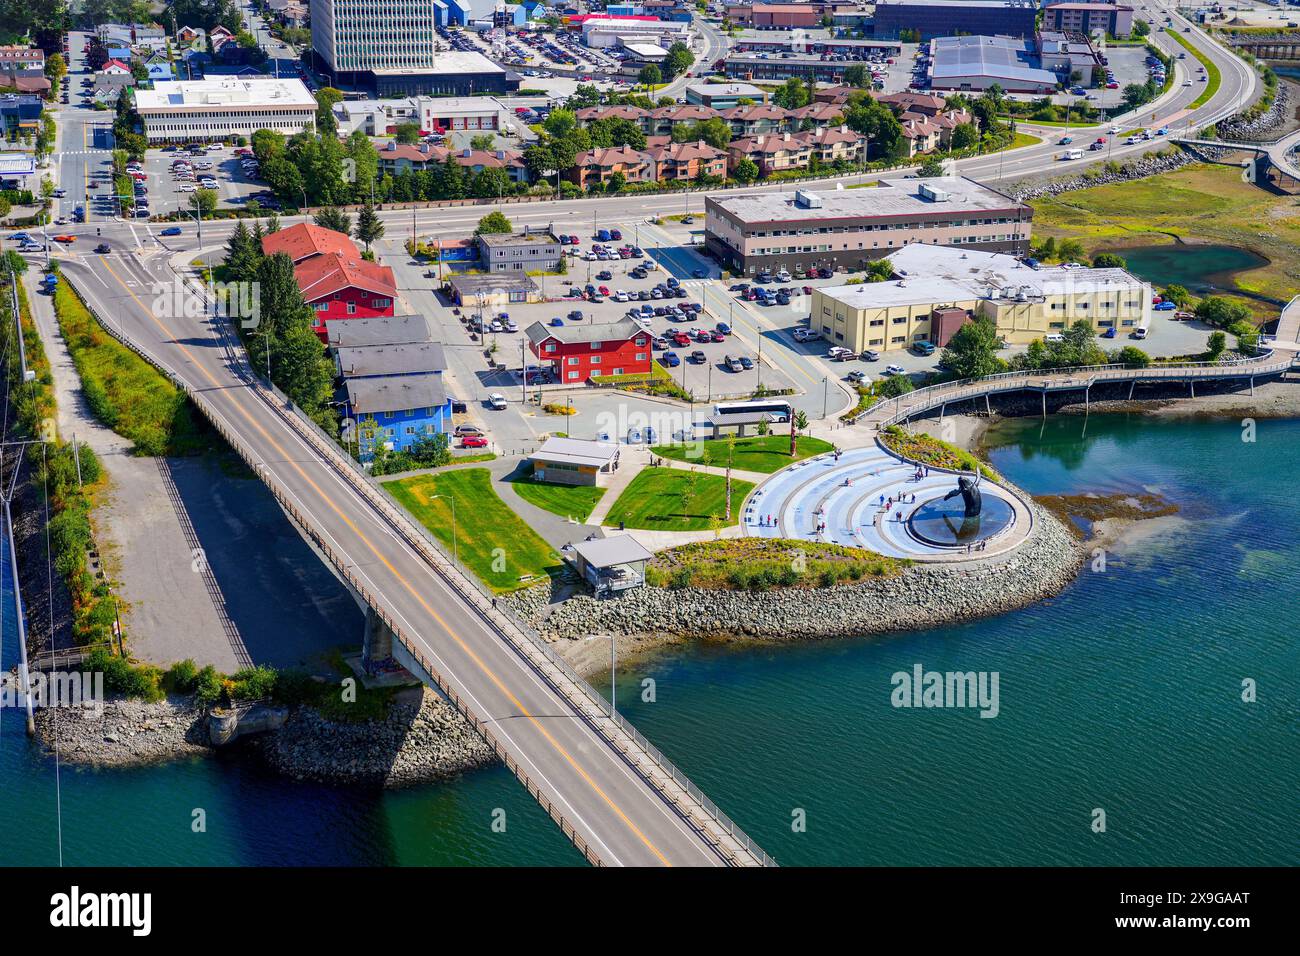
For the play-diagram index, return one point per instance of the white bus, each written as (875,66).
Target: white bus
(774,406)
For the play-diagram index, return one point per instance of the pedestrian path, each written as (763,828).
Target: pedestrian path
(864,498)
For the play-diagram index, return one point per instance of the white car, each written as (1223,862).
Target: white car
(839,353)
(1054,337)
(496,401)
(620,296)
(894,370)
(1114,130)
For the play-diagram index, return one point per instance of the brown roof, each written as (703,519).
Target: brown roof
(589,113)
(757,111)
(685,112)
(610,156)
(306,240)
(25,84)
(684,152)
(817,111)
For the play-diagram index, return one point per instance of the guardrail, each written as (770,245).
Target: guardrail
(932,396)
(548,665)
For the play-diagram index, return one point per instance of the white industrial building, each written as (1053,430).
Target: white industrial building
(216,109)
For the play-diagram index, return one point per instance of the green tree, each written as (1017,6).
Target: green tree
(965,136)
(746,171)
(408,134)
(875,121)
(716,132)
(678,60)
(1133,357)
(1108,260)
(1070,250)
(972,352)
(1216,345)
(205,201)
(56,68)
(857,75)
(932,166)
(791,95)
(1178,295)
(650,76)
(484,142)
(1221,313)
(326,97)
(242,256)
(798,424)
(335,219)
(370,228)
(493,222)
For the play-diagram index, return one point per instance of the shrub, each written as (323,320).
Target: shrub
(182,676)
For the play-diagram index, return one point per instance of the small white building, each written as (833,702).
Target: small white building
(612,564)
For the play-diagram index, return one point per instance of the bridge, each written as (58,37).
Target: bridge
(1275,46)
(1275,361)
(617,798)
(1275,161)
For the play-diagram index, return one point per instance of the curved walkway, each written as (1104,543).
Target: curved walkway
(849,495)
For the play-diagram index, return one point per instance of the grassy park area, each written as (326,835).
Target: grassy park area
(576,501)
(661,499)
(494,542)
(762,453)
(1199,202)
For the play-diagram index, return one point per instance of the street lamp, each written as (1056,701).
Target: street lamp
(455,546)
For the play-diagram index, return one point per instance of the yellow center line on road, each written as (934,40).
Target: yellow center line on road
(487,671)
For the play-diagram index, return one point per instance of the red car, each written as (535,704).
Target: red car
(681,339)
(473,441)
(717,336)
(604,290)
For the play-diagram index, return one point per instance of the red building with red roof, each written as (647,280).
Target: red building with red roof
(577,352)
(334,279)
(346,287)
(306,240)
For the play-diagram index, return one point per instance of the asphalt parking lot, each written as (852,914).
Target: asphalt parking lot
(167,193)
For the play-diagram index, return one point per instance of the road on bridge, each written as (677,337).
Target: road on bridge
(615,810)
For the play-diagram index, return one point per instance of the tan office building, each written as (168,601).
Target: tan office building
(940,288)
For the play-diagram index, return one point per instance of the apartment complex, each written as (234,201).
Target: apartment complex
(938,289)
(1093,17)
(206,110)
(845,229)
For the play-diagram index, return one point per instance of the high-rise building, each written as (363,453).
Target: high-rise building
(387,47)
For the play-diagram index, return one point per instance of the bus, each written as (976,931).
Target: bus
(777,407)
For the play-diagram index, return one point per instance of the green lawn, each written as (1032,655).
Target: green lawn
(494,542)
(661,499)
(1213,77)
(576,501)
(763,453)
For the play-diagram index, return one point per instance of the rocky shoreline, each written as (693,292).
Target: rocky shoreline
(422,740)
(921,596)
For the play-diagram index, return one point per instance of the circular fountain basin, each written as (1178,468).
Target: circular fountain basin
(943,524)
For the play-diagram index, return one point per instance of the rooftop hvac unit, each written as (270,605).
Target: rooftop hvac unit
(933,194)
(807,200)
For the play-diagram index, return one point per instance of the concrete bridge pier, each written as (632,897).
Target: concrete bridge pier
(377,644)
(1131,385)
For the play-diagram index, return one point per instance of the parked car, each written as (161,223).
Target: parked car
(870,355)
(857,377)
(462,430)
(496,401)
(473,441)
(670,359)
(895,370)
(698,357)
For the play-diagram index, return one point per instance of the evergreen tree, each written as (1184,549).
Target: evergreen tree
(335,219)
(369,227)
(241,254)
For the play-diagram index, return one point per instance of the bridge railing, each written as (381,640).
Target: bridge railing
(932,396)
(593,708)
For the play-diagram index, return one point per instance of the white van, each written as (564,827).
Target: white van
(1072,154)
(1141,331)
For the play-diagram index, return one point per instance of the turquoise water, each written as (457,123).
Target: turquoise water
(1122,693)
(1200,269)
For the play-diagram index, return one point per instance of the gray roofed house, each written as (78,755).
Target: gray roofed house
(621,329)
(388,393)
(612,564)
(497,289)
(383,330)
(413,358)
(574,461)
